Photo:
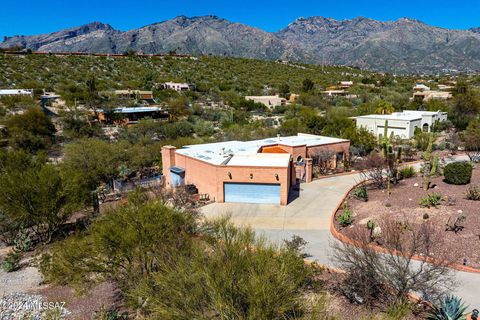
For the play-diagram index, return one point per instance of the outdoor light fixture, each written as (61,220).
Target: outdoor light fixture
(229,174)
(474,315)
(251,175)
(276,176)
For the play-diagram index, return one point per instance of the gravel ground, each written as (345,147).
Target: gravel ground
(22,280)
(404,204)
(29,306)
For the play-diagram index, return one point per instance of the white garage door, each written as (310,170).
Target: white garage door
(252,193)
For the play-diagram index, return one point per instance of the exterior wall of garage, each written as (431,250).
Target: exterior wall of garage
(254,175)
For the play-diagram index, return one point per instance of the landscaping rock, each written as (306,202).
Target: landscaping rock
(377,232)
(415,185)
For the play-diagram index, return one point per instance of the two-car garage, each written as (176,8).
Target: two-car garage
(252,192)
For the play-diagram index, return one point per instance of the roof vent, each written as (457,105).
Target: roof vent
(278,137)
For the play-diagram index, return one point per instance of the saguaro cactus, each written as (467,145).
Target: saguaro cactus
(391,157)
(427,164)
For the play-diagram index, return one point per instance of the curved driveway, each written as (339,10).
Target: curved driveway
(309,216)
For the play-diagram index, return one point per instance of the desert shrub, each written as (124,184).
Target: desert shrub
(345,218)
(431,200)
(195,271)
(398,311)
(361,193)
(458,173)
(407,172)
(11,262)
(473,193)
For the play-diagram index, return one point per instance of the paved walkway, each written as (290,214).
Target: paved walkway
(309,217)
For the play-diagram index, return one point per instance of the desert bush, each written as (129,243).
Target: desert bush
(458,173)
(361,193)
(345,218)
(11,262)
(473,193)
(398,311)
(431,200)
(372,168)
(374,277)
(407,172)
(196,271)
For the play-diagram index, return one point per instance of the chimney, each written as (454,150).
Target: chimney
(278,138)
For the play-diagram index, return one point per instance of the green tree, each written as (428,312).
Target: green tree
(384,107)
(75,125)
(284,90)
(307,85)
(470,139)
(32,195)
(178,108)
(90,162)
(31,131)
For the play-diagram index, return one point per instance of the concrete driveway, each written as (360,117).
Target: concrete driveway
(308,216)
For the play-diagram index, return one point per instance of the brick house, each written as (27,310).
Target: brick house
(259,171)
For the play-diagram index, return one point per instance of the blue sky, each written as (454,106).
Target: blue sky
(41,16)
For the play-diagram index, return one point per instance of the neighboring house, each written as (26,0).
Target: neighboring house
(444,87)
(346,84)
(268,101)
(133,94)
(48,98)
(177,86)
(429,118)
(16,92)
(259,171)
(420,87)
(402,124)
(132,115)
(431,94)
(339,93)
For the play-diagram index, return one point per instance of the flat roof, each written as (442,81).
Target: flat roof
(132,92)
(245,153)
(134,109)
(393,116)
(15,91)
(137,109)
(423,113)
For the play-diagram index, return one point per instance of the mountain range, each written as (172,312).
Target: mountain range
(401,46)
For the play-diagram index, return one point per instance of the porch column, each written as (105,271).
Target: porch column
(308,170)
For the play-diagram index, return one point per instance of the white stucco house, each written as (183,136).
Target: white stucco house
(177,86)
(402,124)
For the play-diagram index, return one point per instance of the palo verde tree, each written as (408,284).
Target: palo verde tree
(33,196)
(211,271)
(31,131)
